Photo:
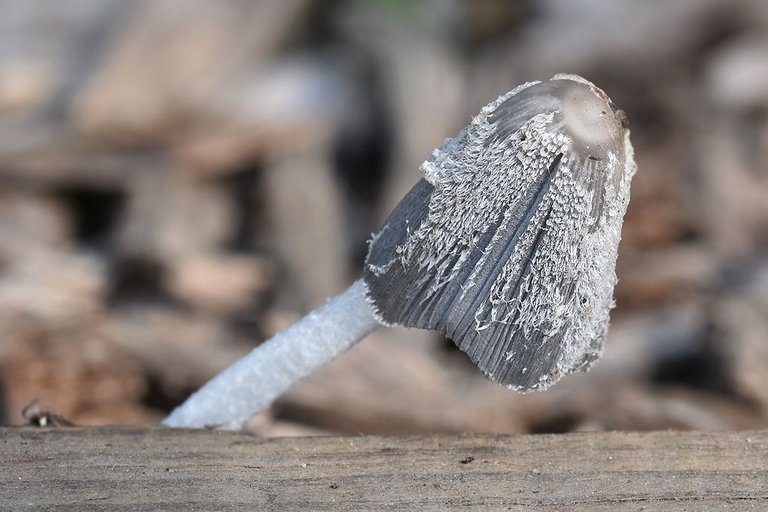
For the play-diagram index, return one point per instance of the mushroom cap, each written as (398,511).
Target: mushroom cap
(508,243)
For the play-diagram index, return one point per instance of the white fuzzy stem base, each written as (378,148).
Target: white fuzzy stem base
(231,398)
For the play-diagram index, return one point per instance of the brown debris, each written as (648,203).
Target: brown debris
(180,179)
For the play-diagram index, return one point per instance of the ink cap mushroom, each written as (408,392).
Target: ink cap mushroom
(507,245)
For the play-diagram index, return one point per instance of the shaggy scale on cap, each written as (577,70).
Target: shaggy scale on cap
(508,243)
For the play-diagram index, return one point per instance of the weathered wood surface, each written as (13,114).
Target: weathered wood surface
(161,469)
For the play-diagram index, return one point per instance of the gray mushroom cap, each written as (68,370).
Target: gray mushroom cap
(508,243)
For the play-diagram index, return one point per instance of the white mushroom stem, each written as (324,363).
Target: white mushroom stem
(231,398)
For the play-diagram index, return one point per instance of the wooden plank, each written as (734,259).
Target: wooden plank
(138,469)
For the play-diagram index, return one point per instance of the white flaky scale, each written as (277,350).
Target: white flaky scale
(507,246)
(538,185)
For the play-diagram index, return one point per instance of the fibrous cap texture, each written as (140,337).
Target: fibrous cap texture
(508,243)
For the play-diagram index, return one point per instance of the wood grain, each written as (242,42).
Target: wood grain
(139,469)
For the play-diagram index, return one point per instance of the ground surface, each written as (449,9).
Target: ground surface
(161,469)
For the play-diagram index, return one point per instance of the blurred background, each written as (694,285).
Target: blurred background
(181,179)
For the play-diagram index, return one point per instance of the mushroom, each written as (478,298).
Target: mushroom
(507,245)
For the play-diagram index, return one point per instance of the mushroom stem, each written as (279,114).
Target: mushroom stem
(232,397)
